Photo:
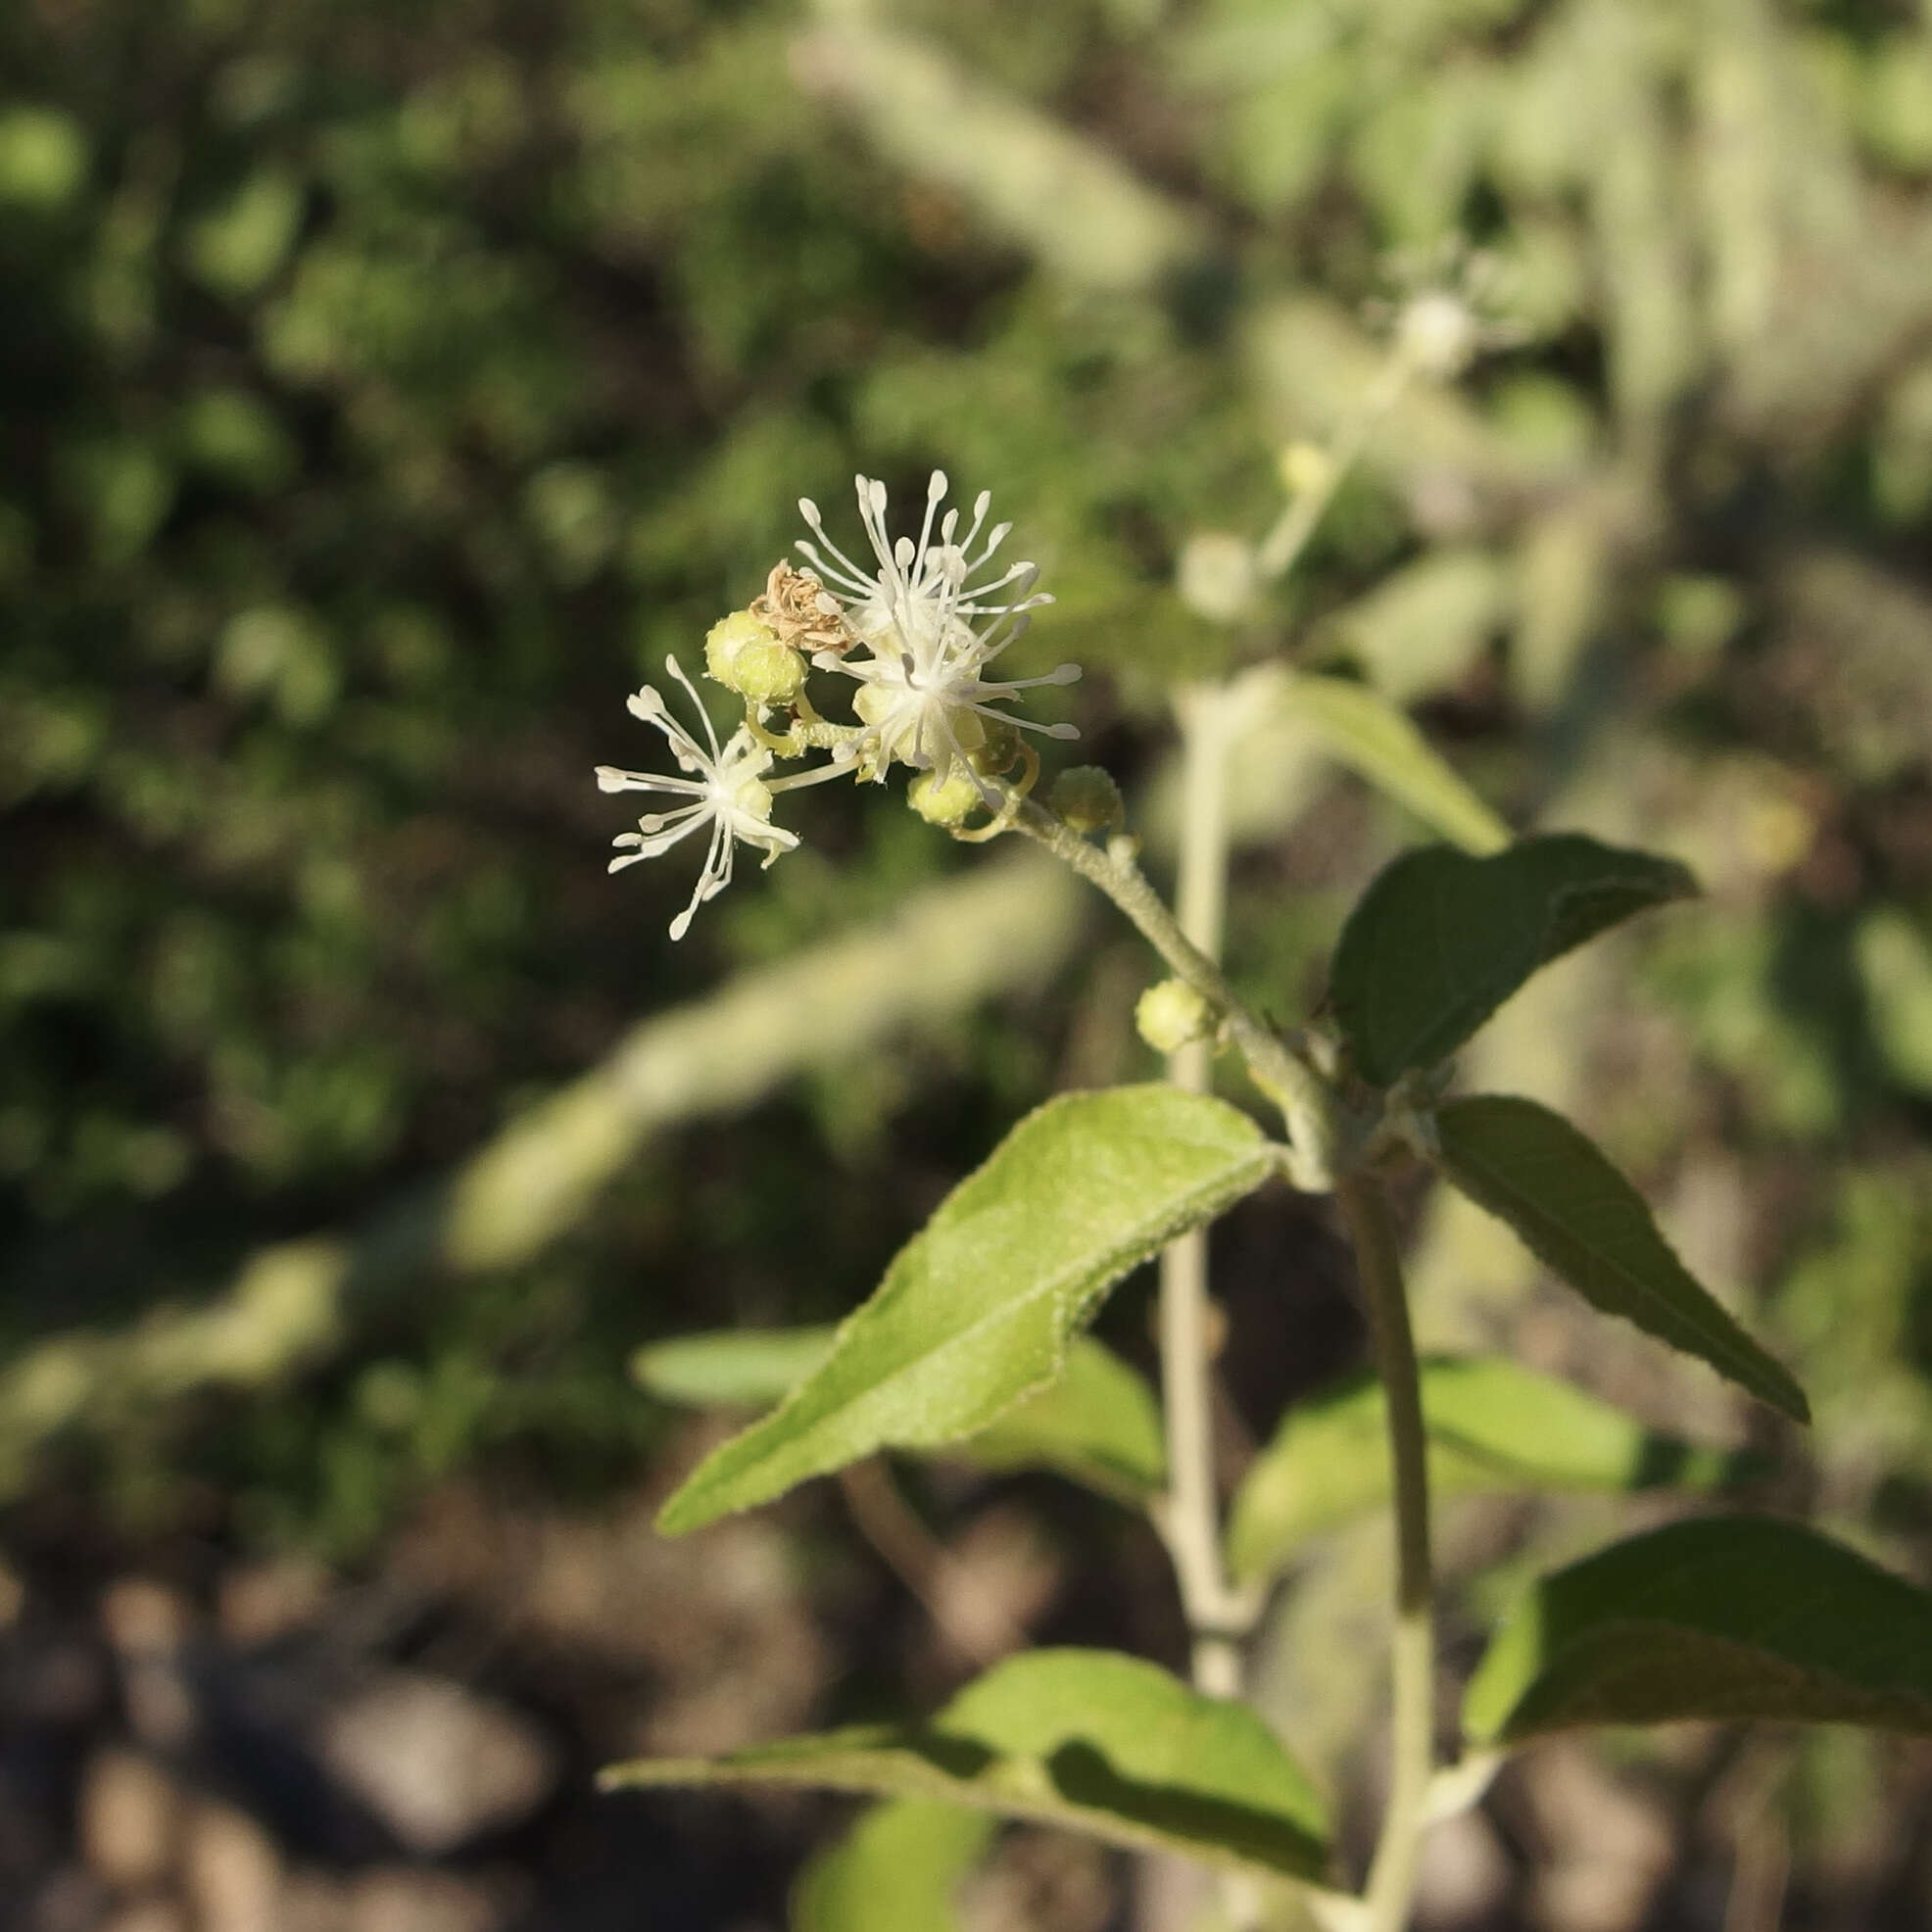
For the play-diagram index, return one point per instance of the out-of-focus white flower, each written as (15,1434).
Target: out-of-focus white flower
(1448,312)
(726,787)
(1439,332)
(927,634)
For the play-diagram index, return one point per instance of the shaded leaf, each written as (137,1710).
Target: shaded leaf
(978,1309)
(1724,1618)
(1492,1425)
(1579,1217)
(1098,1423)
(895,1870)
(1089,1740)
(1441,938)
(1370,735)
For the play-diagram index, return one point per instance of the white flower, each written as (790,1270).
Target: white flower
(927,634)
(727,791)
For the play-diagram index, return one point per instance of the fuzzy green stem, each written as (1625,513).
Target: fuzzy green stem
(1392,1875)
(1294,1087)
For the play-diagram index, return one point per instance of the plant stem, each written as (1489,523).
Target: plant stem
(1294,1087)
(1190,1515)
(1277,552)
(1392,1875)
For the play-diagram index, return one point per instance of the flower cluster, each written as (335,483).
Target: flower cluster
(916,635)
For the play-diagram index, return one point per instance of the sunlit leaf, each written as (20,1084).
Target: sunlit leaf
(1090,1740)
(895,1870)
(1736,1616)
(978,1309)
(1098,1423)
(1366,733)
(1580,1218)
(1441,938)
(1492,1424)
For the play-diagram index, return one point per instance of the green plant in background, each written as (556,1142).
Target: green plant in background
(382,395)
(978,1329)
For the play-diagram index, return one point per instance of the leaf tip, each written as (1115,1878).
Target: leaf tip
(685,1511)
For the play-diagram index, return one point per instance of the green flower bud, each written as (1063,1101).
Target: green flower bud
(1170,1014)
(1086,797)
(751,659)
(943,804)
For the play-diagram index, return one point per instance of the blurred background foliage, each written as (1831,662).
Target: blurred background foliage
(385,389)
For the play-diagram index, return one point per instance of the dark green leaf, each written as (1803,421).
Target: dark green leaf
(895,1870)
(1086,1739)
(1579,1217)
(1735,1616)
(978,1310)
(1492,1425)
(1441,938)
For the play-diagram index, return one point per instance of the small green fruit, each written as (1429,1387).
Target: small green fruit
(1086,798)
(1170,1015)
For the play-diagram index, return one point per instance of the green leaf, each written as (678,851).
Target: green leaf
(1089,1740)
(1441,938)
(1370,735)
(895,1870)
(1726,1617)
(1098,1422)
(1580,1218)
(1492,1425)
(978,1309)
(731,1367)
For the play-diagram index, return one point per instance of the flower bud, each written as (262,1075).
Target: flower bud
(1086,798)
(946,803)
(1439,332)
(1171,1014)
(1305,468)
(751,659)
(1216,575)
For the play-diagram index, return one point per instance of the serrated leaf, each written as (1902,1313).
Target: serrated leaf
(1089,1740)
(1441,938)
(895,1870)
(1492,1425)
(1579,1217)
(731,1367)
(1719,1618)
(1098,1423)
(1366,733)
(978,1309)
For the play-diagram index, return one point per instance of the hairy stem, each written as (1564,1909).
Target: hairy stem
(1392,1875)
(1294,1087)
